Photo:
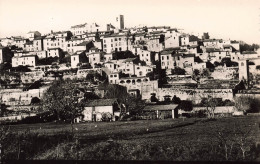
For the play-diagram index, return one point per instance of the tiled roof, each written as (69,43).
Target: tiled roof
(78,26)
(173,29)
(129,60)
(188,55)
(29,43)
(125,78)
(32,32)
(54,48)
(83,43)
(60,32)
(212,50)
(227,45)
(109,62)
(249,52)
(211,40)
(115,35)
(156,27)
(160,107)
(39,37)
(101,102)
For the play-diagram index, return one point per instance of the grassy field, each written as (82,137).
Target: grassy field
(233,138)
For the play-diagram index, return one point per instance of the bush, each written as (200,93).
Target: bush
(201,114)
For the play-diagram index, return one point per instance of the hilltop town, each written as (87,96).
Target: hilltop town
(158,67)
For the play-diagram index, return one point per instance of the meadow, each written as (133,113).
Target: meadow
(193,139)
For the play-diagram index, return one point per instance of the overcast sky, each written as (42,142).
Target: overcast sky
(234,19)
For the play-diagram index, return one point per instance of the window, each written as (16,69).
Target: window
(242,64)
(127,69)
(119,39)
(111,40)
(74,58)
(105,46)
(146,54)
(111,75)
(104,41)
(115,39)
(167,57)
(137,67)
(115,75)
(162,57)
(220,57)
(111,45)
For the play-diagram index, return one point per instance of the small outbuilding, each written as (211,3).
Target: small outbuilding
(163,111)
(100,109)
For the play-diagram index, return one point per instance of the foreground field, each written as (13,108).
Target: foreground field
(234,138)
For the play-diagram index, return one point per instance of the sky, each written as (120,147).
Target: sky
(226,19)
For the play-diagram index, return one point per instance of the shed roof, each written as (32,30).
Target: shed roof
(160,107)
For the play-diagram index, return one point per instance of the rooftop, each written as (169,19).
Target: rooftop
(84,43)
(160,107)
(101,102)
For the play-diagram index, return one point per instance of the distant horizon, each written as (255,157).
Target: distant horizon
(230,19)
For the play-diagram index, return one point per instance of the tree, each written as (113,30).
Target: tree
(5,66)
(178,71)
(133,104)
(68,64)
(61,99)
(3,109)
(248,47)
(150,75)
(205,73)
(176,100)
(116,91)
(196,74)
(210,66)
(210,103)
(247,104)
(186,105)
(153,97)
(21,68)
(35,100)
(228,62)
(90,77)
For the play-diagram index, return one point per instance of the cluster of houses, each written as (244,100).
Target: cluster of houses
(98,47)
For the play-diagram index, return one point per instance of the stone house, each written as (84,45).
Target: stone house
(96,109)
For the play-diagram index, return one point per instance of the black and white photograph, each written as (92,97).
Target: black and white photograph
(129,81)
